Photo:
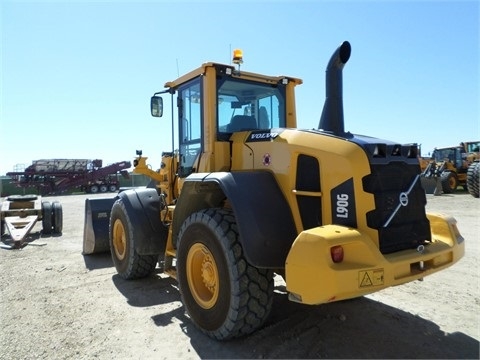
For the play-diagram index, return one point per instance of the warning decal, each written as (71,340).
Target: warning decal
(370,278)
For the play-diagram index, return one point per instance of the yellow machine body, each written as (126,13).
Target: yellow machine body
(248,194)
(311,275)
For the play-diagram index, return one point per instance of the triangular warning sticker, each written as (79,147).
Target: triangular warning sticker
(366,281)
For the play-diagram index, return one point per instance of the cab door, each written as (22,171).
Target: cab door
(190,119)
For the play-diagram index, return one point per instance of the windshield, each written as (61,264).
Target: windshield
(245,105)
(473,146)
(450,154)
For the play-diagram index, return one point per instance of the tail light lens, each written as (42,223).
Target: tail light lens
(336,253)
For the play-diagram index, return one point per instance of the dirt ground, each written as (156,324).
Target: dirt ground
(58,304)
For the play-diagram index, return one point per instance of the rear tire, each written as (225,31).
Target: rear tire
(57,217)
(224,295)
(46,217)
(129,264)
(473,179)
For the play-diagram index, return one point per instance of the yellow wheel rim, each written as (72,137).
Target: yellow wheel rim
(119,240)
(202,276)
(453,183)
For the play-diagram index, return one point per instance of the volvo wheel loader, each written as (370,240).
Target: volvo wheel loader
(248,195)
(449,166)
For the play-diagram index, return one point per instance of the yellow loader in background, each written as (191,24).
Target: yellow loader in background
(449,168)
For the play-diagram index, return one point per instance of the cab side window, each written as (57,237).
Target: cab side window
(190,126)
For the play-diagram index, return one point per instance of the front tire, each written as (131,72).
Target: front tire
(449,182)
(224,295)
(129,264)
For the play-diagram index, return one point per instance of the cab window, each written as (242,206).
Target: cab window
(190,126)
(245,105)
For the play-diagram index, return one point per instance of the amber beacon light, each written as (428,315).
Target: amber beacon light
(237,56)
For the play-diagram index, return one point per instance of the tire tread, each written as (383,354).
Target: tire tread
(137,266)
(252,288)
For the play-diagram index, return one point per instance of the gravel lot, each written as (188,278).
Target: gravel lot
(58,304)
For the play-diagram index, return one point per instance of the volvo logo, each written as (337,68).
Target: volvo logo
(402,200)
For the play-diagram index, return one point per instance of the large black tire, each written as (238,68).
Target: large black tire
(46,217)
(129,264)
(224,295)
(449,182)
(57,217)
(473,179)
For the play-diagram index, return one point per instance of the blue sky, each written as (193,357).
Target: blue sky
(77,76)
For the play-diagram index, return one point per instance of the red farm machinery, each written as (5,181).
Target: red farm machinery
(56,176)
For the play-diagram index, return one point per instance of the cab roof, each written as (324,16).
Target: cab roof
(235,73)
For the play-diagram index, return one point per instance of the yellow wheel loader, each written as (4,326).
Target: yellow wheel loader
(449,167)
(247,195)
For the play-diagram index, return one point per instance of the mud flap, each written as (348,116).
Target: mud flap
(96,226)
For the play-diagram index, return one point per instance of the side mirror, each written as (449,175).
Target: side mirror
(156,106)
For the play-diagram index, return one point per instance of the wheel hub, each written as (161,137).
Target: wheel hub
(208,274)
(119,240)
(202,276)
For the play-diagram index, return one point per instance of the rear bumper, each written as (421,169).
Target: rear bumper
(313,278)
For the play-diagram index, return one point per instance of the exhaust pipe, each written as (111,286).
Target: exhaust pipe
(332,114)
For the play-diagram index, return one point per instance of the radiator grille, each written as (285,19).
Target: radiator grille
(410,227)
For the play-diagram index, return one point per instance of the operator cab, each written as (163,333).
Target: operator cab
(215,101)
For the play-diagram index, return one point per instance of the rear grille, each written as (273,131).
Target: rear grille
(409,227)
(308,179)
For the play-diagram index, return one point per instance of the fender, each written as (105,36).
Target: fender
(143,208)
(264,220)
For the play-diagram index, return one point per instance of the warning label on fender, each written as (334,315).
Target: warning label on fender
(370,278)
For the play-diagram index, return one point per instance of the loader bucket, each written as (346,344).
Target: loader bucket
(431,185)
(96,228)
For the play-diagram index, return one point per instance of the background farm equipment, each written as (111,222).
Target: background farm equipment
(54,176)
(20,213)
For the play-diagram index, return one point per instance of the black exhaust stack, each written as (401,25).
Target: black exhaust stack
(332,114)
